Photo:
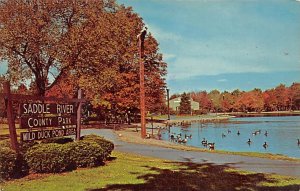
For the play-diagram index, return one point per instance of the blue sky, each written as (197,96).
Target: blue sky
(225,44)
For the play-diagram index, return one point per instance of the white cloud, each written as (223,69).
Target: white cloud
(197,66)
(218,56)
(222,80)
(162,35)
(167,56)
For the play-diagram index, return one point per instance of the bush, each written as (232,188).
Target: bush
(47,158)
(54,158)
(7,163)
(24,146)
(5,143)
(86,154)
(20,165)
(106,145)
(62,154)
(58,140)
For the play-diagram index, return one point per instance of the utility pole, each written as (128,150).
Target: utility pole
(141,38)
(168,99)
(78,129)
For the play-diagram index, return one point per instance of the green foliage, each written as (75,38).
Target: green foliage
(106,145)
(7,162)
(47,158)
(86,154)
(5,143)
(60,154)
(20,167)
(185,104)
(53,155)
(24,146)
(58,140)
(145,173)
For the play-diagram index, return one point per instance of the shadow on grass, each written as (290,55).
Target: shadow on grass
(190,176)
(111,158)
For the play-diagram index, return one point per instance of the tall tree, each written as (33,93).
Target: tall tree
(2,102)
(215,97)
(185,104)
(294,96)
(204,101)
(122,90)
(270,100)
(227,101)
(281,93)
(40,39)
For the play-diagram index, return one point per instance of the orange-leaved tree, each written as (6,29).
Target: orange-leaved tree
(46,40)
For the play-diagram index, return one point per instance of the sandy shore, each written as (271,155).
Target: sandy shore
(132,134)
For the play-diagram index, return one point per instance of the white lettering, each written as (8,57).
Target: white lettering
(28,122)
(24,106)
(34,108)
(64,109)
(39,122)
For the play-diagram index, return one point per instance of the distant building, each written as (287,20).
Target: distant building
(175,103)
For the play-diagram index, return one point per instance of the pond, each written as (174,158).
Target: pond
(281,137)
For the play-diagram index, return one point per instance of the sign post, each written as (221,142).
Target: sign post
(11,118)
(42,113)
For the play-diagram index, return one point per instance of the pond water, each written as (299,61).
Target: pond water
(281,138)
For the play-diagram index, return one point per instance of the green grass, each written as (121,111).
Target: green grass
(133,172)
(4,131)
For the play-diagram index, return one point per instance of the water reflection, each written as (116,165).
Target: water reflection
(278,135)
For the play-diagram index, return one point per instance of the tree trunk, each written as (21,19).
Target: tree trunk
(41,87)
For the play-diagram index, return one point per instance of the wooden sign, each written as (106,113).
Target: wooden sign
(46,108)
(46,134)
(41,114)
(57,121)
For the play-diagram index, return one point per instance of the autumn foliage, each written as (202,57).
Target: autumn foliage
(64,45)
(280,98)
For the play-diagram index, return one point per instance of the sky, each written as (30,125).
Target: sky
(225,44)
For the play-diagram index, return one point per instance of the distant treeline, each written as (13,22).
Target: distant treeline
(280,98)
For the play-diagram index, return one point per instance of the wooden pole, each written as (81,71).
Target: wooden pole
(10,118)
(79,116)
(152,125)
(168,99)
(142,84)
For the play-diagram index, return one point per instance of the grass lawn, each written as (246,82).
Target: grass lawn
(4,131)
(133,172)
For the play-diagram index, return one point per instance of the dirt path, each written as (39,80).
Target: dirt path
(260,165)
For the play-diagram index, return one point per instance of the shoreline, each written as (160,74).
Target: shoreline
(131,136)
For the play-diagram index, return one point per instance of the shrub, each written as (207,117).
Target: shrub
(86,154)
(58,140)
(24,146)
(50,157)
(5,143)
(20,167)
(54,158)
(7,163)
(106,145)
